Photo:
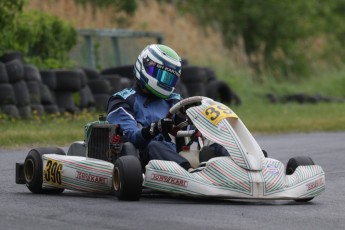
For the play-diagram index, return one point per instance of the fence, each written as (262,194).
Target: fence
(103,48)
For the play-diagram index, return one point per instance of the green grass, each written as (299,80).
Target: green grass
(46,131)
(257,113)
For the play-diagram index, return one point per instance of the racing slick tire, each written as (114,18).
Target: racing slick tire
(33,170)
(292,165)
(127,178)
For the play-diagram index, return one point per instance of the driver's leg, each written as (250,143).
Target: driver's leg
(163,150)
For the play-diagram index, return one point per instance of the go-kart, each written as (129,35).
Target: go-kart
(247,173)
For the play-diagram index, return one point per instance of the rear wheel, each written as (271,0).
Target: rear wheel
(127,178)
(292,165)
(33,170)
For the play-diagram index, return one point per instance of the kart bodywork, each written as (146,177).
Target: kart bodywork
(245,174)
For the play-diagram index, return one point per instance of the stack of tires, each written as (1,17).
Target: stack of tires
(219,90)
(86,98)
(7,97)
(15,71)
(68,85)
(120,77)
(99,87)
(47,89)
(33,81)
(194,78)
(202,81)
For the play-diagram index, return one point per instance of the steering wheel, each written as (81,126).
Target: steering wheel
(180,110)
(180,107)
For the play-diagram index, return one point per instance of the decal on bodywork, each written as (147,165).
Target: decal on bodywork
(317,183)
(90,177)
(169,179)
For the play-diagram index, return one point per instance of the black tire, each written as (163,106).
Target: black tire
(211,74)
(115,82)
(65,102)
(292,165)
(33,170)
(128,149)
(83,78)
(193,74)
(196,89)
(34,91)
(125,71)
(51,109)
(37,109)
(46,96)
(31,73)
(86,98)
(48,78)
(21,93)
(7,96)
(127,178)
(219,91)
(100,86)
(91,74)
(10,110)
(16,55)
(68,80)
(3,73)
(15,71)
(25,112)
(101,101)
(294,162)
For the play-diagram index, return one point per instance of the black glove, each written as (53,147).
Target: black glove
(164,125)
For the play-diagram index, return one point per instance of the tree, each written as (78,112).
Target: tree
(273,30)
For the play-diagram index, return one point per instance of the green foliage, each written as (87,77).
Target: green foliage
(45,40)
(129,6)
(278,36)
(8,10)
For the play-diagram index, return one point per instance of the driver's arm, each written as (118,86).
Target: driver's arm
(121,113)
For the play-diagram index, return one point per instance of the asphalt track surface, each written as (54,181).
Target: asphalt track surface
(19,209)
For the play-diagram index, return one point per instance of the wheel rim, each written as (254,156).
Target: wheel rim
(29,170)
(116,179)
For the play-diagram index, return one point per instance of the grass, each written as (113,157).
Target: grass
(44,131)
(258,114)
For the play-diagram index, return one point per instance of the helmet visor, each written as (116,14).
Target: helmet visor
(163,75)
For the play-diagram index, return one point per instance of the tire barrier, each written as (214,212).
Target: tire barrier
(3,73)
(124,71)
(25,90)
(15,55)
(15,70)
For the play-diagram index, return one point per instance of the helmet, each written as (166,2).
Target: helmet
(158,69)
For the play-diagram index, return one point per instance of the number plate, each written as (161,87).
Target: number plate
(216,113)
(52,172)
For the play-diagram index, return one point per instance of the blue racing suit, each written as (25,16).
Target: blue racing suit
(133,109)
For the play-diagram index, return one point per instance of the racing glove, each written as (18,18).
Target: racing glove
(164,125)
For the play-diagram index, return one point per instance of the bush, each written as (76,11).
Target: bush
(44,40)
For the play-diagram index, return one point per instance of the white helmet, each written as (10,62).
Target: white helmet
(158,69)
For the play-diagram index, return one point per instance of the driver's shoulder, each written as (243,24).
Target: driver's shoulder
(125,93)
(175,96)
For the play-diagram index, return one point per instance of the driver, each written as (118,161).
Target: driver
(140,111)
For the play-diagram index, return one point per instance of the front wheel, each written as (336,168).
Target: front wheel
(292,165)
(33,170)
(127,178)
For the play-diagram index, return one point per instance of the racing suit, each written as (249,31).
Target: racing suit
(133,109)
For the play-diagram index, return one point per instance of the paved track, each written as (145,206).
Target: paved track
(19,209)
